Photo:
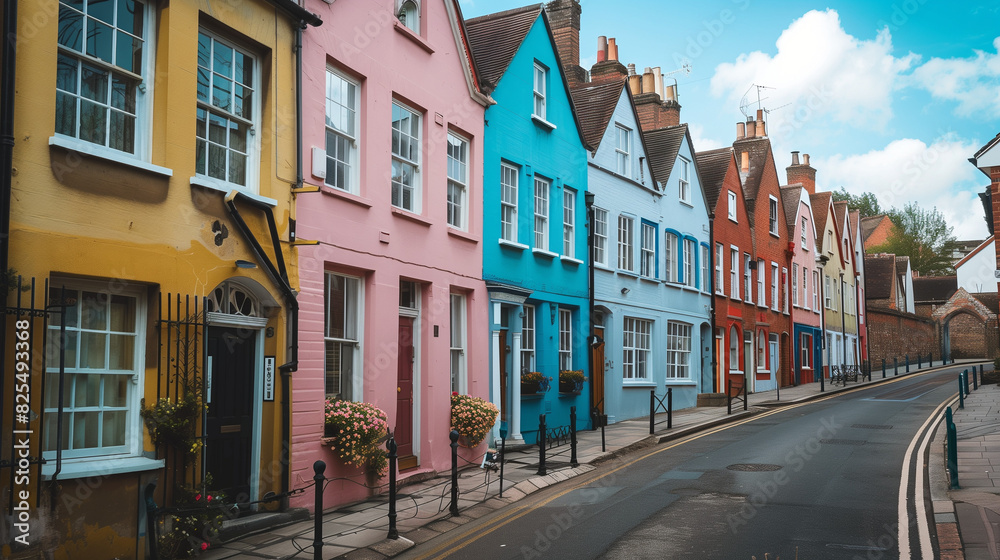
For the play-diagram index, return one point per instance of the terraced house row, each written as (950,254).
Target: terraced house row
(262,205)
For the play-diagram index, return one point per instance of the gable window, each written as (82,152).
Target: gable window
(706,275)
(774,286)
(689,256)
(772,215)
(637,344)
(405,158)
(528,339)
(672,258)
(684,182)
(342,104)
(540,88)
(105,347)
(732,206)
(569,222)
(102,71)
(795,284)
(734,273)
(541,213)
(747,279)
(342,335)
(647,248)
(565,339)
(625,230)
(457,329)
(508,203)
(623,150)
(761,276)
(827,299)
(829,242)
(600,236)
(805,224)
(409,15)
(719,269)
(458,181)
(678,350)
(227,112)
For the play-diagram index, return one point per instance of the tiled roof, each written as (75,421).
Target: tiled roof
(879,275)
(713,165)
(972,253)
(868,225)
(855,216)
(840,210)
(758,149)
(662,146)
(595,105)
(820,203)
(790,197)
(990,299)
(495,39)
(934,289)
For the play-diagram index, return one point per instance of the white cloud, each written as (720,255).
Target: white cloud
(818,69)
(700,141)
(973,82)
(908,170)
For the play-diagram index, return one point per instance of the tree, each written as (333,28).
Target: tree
(924,236)
(865,203)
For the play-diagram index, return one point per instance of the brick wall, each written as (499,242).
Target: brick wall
(971,337)
(893,333)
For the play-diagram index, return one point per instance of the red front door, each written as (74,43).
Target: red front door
(404,389)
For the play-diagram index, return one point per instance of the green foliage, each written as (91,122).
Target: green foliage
(867,203)
(924,236)
(174,424)
(361,429)
(8,282)
(192,524)
(472,417)
(571,376)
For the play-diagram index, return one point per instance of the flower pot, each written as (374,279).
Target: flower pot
(330,430)
(570,387)
(529,388)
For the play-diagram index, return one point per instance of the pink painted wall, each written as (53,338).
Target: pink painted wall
(363,235)
(805,258)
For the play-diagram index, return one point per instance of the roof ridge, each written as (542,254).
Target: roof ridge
(505,13)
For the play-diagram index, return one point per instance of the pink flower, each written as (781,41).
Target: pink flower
(204,546)
(198,497)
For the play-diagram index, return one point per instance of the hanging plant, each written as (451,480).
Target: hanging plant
(361,429)
(174,423)
(472,417)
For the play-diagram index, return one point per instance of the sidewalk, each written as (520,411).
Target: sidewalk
(358,531)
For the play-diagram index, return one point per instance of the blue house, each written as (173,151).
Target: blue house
(534,223)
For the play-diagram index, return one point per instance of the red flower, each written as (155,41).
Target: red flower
(208,498)
(198,497)
(204,546)
(454,393)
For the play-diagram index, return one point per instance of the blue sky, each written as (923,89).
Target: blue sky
(887,97)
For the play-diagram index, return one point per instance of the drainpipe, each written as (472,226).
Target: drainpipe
(822,259)
(712,287)
(843,324)
(589,199)
(7,151)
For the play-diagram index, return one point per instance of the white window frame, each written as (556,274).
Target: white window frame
(805,351)
(626,231)
(747,279)
(458,335)
(734,350)
(343,124)
(623,150)
(542,208)
(706,272)
(409,15)
(805,288)
(732,206)
(528,339)
(815,284)
(684,181)
(565,339)
(720,268)
(353,298)
(689,256)
(509,177)
(775,283)
(407,160)
(804,224)
(795,284)
(569,222)
(600,236)
(827,297)
(678,350)
(647,250)
(761,280)
(540,89)
(637,346)
(784,286)
(458,182)
(772,214)
(734,272)
(762,354)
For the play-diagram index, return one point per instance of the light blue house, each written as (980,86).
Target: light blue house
(651,257)
(534,222)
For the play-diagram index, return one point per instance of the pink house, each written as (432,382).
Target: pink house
(803,281)
(393,305)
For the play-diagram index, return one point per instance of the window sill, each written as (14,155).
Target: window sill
(628,273)
(681,382)
(638,384)
(687,203)
(212,184)
(600,266)
(512,245)
(649,279)
(345,196)
(732,219)
(763,306)
(107,154)
(544,253)
(463,235)
(409,34)
(407,215)
(100,466)
(774,234)
(570,260)
(542,122)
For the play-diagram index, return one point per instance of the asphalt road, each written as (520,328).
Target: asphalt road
(811,481)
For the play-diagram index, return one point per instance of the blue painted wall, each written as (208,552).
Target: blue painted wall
(556,280)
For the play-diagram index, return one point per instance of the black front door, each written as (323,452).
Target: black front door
(230,412)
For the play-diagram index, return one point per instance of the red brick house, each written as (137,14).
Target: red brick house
(875,230)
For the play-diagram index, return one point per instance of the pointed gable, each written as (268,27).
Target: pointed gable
(790,198)
(713,166)
(595,106)
(662,146)
(758,150)
(880,274)
(496,38)
(821,212)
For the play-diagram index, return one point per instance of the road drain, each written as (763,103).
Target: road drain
(753,467)
(872,426)
(843,441)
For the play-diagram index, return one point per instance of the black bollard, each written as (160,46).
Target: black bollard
(729,396)
(453,436)
(920,361)
(503,450)
(883,368)
(652,405)
(391,445)
(670,408)
(961,395)
(965,377)
(541,445)
(572,438)
(975,380)
(907,363)
(318,478)
(895,366)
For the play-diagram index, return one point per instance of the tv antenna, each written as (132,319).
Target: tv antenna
(686,68)
(747,102)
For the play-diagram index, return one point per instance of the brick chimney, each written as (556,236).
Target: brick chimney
(564,17)
(608,68)
(802,173)
(671,107)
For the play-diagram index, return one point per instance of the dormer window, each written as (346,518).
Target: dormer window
(409,15)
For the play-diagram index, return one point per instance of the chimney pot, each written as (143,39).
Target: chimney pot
(761,128)
(760,114)
(635,84)
(631,69)
(648,81)
(602,48)
(612,49)
(658,81)
(751,128)
(741,130)
(744,162)
(795,157)
(805,159)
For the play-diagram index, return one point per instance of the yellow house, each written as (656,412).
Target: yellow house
(151,192)
(838,284)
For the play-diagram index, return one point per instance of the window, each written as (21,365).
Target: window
(732,206)
(600,236)
(565,339)
(625,256)
(342,103)
(762,351)
(405,158)
(689,256)
(457,329)
(227,111)
(409,15)
(829,241)
(795,284)
(815,286)
(104,353)
(541,213)
(102,71)
(671,257)
(734,349)
(622,150)
(569,222)
(827,300)
(678,350)
(784,287)
(637,344)
(734,273)
(805,224)
(342,335)
(761,295)
(772,215)
(647,250)
(528,339)
(706,275)
(458,180)
(805,286)
(806,351)
(747,279)
(775,280)
(540,88)
(508,203)
(684,183)
(720,287)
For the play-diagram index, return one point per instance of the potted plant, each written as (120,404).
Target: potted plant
(192,524)
(360,429)
(571,380)
(533,381)
(472,417)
